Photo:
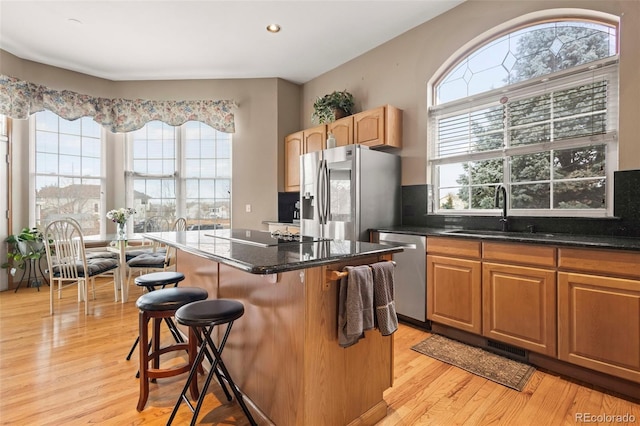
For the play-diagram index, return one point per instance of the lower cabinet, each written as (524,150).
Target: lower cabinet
(519,306)
(454,295)
(577,305)
(598,323)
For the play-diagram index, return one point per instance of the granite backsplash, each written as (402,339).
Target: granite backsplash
(415,202)
(286,206)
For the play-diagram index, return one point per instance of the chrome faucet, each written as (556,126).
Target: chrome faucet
(500,189)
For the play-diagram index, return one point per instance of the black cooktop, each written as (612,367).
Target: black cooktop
(262,238)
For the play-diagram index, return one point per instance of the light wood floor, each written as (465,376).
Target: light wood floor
(70,369)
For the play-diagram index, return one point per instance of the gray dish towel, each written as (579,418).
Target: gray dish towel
(355,304)
(383,297)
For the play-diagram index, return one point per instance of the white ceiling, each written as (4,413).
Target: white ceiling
(152,40)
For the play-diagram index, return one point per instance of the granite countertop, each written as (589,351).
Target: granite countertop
(557,239)
(256,259)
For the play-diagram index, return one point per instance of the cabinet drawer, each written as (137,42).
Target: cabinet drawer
(526,254)
(454,246)
(602,262)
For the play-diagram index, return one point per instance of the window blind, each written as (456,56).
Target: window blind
(557,108)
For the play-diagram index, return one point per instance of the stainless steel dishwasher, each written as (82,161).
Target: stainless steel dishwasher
(410,275)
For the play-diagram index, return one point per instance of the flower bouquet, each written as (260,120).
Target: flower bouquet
(120,217)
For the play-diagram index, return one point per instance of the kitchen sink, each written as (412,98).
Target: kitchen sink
(488,233)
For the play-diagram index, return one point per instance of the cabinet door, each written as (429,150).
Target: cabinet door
(599,323)
(292,152)
(519,306)
(369,127)
(342,130)
(315,139)
(454,292)
(377,127)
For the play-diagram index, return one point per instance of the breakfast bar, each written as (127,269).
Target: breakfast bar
(284,353)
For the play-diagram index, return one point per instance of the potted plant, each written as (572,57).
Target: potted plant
(25,246)
(333,106)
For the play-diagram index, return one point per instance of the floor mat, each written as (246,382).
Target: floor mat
(505,371)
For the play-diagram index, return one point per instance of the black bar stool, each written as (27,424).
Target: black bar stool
(202,317)
(151,282)
(156,306)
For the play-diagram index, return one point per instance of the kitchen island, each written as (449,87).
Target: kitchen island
(284,352)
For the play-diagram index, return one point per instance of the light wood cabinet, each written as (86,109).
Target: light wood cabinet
(505,292)
(378,127)
(296,144)
(519,306)
(290,319)
(519,295)
(292,152)
(342,130)
(454,293)
(315,139)
(576,310)
(598,315)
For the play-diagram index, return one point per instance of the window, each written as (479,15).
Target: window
(68,170)
(536,110)
(180,171)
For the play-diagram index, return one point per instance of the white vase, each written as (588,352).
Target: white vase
(331,141)
(121,232)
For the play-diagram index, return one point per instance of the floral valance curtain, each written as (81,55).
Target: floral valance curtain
(19,99)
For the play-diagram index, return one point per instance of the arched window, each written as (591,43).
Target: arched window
(536,111)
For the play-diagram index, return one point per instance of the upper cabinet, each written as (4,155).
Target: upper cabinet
(377,128)
(315,139)
(292,151)
(342,130)
(295,145)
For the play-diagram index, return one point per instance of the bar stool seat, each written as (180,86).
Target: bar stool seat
(150,282)
(159,279)
(156,306)
(201,317)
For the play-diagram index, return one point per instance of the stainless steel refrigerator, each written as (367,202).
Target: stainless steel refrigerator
(346,191)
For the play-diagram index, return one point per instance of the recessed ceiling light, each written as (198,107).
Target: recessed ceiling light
(273,28)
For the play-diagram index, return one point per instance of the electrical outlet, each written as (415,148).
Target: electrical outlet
(247,208)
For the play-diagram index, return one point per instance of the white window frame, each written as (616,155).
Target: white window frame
(178,175)
(33,214)
(606,67)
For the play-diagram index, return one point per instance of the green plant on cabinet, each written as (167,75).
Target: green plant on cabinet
(328,108)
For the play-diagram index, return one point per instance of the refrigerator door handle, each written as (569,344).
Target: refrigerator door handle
(325,197)
(321,193)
